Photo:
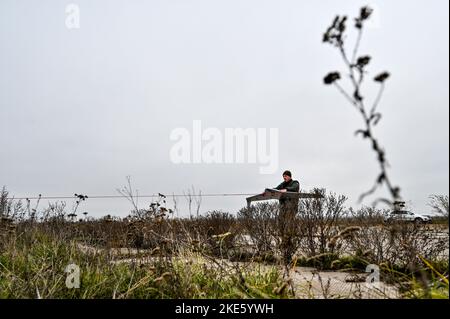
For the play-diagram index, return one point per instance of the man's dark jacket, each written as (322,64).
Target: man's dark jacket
(289,203)
(291,186)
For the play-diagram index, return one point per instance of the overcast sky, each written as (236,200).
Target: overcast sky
(80,109)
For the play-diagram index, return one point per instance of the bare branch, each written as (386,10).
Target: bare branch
(377,100)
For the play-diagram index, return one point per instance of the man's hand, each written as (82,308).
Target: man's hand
(283,190)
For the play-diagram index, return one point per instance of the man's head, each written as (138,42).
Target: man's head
(287,176)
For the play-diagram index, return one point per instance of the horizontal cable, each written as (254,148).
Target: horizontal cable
(134,196)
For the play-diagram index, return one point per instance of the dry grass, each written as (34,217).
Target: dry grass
(253,254)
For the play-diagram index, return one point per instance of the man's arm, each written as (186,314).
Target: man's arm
(295,187)
(279,186)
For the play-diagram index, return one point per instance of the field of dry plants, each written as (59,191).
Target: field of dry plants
(320,252)
(323,249)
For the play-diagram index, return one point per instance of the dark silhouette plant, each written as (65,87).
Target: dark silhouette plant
(356,66)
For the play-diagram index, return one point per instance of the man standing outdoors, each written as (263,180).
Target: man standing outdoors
(288,185)
(287,218)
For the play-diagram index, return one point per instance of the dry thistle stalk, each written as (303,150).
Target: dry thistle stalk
(356,66)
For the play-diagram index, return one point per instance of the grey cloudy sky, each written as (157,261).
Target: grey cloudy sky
(83,108)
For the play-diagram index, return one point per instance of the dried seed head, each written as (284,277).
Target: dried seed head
(381,77)
(331,78)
